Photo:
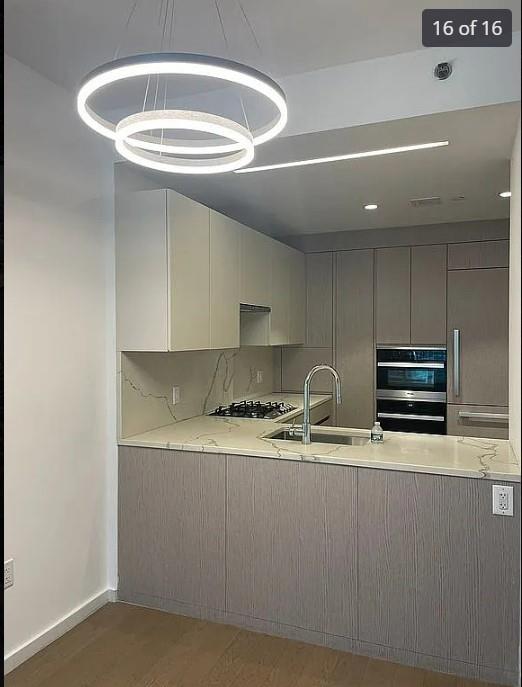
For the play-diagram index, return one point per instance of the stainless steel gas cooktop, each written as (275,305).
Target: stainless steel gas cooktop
(269,410)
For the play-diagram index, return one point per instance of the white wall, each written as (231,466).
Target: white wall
(515,302)
(59,362)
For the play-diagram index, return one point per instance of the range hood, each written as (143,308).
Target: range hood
(246,307)
(254,324)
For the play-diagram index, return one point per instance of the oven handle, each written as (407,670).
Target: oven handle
(437,366)
(456,362)
(492,417)
(405,416)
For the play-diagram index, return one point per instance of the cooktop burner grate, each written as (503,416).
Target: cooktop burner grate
(267,410)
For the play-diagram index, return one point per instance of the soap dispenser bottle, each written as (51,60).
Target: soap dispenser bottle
(377,435)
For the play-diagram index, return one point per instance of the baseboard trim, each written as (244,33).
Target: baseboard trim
(16,657)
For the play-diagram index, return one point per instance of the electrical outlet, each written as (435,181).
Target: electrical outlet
(259,376)
(176,395)
(502,500)
(8,573)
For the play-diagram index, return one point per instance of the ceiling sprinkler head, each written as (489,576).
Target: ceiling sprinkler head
(443,70)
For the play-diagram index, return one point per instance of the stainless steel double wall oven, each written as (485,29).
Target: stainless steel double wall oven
(411,388)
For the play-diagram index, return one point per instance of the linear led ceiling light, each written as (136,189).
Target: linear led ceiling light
(141,137)
(347,156)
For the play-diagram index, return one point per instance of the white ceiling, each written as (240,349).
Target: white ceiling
(64,39)
(330,197)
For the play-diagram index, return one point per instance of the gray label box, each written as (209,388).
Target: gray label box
(466,28)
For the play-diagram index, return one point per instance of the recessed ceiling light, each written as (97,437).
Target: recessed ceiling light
(505,194)
(348,156)
(371,206)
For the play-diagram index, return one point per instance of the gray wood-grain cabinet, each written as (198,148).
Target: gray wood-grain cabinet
(291,543)
(438,573)
(319,300)
(413,565)
(478,309)
(171,531)
(428,295)
(410,295)
(354,340)
(478,254)
(392,295)
(478,421)
(277,544)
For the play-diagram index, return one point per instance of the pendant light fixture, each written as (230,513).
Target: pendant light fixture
(141,136)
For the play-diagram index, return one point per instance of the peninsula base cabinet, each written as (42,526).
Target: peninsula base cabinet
(409,567)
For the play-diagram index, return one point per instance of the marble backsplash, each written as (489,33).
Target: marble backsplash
(206,379)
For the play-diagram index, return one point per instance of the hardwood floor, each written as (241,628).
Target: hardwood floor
(128,646)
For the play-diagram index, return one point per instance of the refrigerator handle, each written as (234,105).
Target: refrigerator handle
(456,362)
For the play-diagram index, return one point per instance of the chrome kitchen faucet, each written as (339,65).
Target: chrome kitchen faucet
(306,429)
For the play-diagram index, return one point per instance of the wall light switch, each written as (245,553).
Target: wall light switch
(259,376)
(8,573)
(502,500)
(176,395)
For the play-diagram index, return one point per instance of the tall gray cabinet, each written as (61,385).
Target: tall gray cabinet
(478,315)
(354,347)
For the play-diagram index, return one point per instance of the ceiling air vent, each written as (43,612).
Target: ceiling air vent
(424,202)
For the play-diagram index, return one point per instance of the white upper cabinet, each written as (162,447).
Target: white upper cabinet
(182,271)
(297,315)
(287,321)
(280,288)
(188,236)
(142,279)
(162,272)
(256,268)
(225,237)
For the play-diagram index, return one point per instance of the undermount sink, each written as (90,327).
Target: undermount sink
(321,437)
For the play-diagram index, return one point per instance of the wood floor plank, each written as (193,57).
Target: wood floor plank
(439,680)
(319,667)
(130,646)
(405,676)
(349,671)
(288,668)
(379,674)
(189,660)
(45,663)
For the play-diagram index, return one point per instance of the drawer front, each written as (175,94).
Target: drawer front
(478,421)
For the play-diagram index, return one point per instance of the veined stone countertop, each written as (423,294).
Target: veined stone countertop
(445,455)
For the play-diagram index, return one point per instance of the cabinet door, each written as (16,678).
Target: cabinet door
(297,292)
(478,308)
(291,543)
(189,250)
(171,527)
(466,256)
(141,272)
(319,300)
(428,294)
(392,295)
(354,337)
(256,268)
(224,281)
(429,578)
(280,298)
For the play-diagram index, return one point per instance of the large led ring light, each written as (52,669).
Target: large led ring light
(181,64)
(204,122)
